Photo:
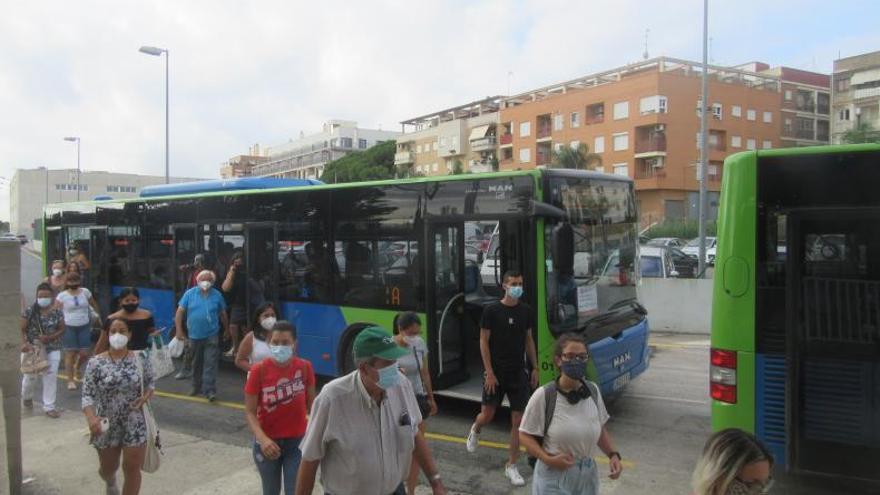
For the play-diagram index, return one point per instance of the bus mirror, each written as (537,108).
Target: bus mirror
(562,248)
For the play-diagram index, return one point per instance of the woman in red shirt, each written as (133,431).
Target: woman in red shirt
(277,397)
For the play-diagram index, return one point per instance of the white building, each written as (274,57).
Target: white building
(31,189)
(856,93)
(304,158)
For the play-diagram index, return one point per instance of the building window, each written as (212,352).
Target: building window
(736,111)
(557,147)
(736,142)
(362,144)
(558,122)
(525,155)
(652,104)
(595,113)
(751,114)
(843,85)
(433,145)
(574,144)
(345,142)
(844,114)
(621,169)
(621,110)
(620,142)
(418,148)
(575,119)
(767,145)
(599,144)
(768,117)
(525,129)
(787,95)
(751,144)
(717,111)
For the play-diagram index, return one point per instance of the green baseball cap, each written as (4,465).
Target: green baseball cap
(376,342)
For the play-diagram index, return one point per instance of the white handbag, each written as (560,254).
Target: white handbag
(153,456)
(160,359)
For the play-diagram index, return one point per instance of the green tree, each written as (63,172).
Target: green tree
(578,158)
(864,133)
(457,167)
(374,163)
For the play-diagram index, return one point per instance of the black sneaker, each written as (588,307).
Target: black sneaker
(211,397)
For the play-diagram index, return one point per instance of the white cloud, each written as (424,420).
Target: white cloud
(248,72)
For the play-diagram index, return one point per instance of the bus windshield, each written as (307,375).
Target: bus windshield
(602,215)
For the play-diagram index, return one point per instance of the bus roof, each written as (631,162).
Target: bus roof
(240,184)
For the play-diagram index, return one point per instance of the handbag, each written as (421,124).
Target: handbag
(160,359)
(421,399)
(153,456)
(35,361)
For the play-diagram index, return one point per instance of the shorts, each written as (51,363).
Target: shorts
(77,338)
(238,315)
(515,386)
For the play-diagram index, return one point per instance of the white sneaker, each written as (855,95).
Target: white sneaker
(513,475)
(472,440)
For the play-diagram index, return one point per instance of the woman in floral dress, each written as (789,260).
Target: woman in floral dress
(112,391)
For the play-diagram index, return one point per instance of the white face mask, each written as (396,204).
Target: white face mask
(44,302)
(268,322)
(57,272)
(410,339)
(205,284)
(118,341)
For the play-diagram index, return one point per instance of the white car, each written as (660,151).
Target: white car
(693,248)
(655,262)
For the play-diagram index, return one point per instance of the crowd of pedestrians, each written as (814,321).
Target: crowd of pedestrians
(364,431)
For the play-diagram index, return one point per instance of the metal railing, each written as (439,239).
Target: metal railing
(841,310)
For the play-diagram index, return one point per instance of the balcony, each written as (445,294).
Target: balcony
(650,144)
(404,157)
(544,132)
(483,144)
(507,139)
(805,134)
(866,93)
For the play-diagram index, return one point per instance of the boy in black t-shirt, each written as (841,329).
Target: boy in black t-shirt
(505,338)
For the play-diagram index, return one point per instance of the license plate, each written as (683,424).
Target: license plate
(620,381)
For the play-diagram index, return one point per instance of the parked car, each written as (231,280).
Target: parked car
(693,248)
(656,262)
(666,242)
(9,236)
(685,265)
(22,238)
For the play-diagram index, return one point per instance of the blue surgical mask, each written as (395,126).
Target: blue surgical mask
(281,353)
(388,377)
(515,292)
(574,369)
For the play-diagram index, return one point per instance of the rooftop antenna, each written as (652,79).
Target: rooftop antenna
(645,55)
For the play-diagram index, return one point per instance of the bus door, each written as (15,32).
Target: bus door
(182,257)
(54,247)
(100,259)
(261,263)
(833,307)
(444,302)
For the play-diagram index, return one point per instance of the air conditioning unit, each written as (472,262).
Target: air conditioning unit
(660,127)
(656,162)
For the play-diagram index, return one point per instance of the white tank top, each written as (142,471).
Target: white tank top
(260,351)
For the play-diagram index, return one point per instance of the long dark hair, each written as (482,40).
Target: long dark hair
(259,331)
(35,307)
(405,319)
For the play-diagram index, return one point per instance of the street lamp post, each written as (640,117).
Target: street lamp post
(75,139)
(704,145)
(152,50)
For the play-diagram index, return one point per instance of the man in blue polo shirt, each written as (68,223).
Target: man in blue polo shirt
(205,312)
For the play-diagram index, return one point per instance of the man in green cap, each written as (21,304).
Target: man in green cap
(362,427)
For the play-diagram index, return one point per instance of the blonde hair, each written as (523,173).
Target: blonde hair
(725,454)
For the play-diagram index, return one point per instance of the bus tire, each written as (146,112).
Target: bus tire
(346,347)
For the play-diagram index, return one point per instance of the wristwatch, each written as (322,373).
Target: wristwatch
(615,453)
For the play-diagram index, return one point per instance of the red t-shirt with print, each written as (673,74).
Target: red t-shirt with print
(281,395)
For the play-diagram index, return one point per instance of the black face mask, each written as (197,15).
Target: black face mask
(575,396)
(130,308)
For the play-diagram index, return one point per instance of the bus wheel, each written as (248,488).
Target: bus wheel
(346,347)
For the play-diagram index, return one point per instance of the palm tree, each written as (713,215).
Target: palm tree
(578,158)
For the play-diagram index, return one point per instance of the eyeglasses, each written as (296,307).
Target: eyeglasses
(570,356)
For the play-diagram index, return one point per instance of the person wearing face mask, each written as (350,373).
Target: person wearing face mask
(255,345)
(235,287)
(57,278)
(362,428)
(407,330)
(505,338)
(75,302)
(733,462)
(42,325)
(140,322)
(204,309)
(565,445)
(278,394)
(112,395)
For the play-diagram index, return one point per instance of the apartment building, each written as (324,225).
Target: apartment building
(643,120)
(242,165)
(436,143)
(856,94)
(305,157)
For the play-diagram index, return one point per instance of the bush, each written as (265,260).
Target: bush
(683,229)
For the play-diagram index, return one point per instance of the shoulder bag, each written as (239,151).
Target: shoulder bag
(152,458)
(35,361)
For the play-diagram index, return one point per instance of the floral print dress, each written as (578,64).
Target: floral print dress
(112,387)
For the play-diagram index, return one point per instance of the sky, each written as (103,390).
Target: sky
(263,71)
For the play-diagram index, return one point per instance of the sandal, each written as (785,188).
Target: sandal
(29,403)
(54,414)
(71,385)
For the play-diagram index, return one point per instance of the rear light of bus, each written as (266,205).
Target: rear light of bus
(722,375)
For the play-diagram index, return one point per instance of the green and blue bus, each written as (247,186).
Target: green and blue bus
(337,258)
(795,354)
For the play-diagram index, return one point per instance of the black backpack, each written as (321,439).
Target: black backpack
(550,395)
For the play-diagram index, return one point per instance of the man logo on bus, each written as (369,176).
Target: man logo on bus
(620,360)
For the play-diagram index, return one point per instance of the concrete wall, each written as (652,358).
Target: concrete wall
(10,379)
(678,305)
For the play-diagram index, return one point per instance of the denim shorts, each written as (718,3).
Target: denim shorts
(580,479)
(77,338)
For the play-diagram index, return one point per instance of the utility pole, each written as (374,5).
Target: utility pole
(704,141)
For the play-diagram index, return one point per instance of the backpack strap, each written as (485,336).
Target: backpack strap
(549,407)
(594,391)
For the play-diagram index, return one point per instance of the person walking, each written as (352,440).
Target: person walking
(362,427)
(733,462)
(140,322)
(113,406)
(191,273)
(505,338)
(255,345)
(414,365)
(57,278)
(42,324)
(277,397)
(205,313)
(76,303)
(235,287)
(570,415)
